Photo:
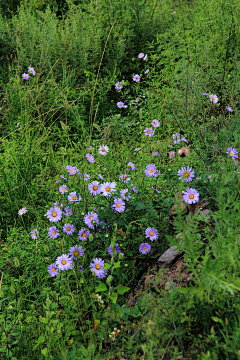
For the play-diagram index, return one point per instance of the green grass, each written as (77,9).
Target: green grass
(49,122)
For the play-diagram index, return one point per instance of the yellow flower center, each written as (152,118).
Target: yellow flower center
(89,158)
(76,253)
(151,233)
(171,154)
(70,170)
(148,131)
(107,188)
(97,266)
(63,262)
(186,174)
(115,249)
(34,234)
(54,232)
(84,234)
(231,153)
(132,166)
(54,214)
(68,211)
(144,248)
(68,228)
(118,205)
(124,177)
(90,217)
(74,198)
(95,187)
(53,269)
(63,189)
(191,196)
(103,149)
(151,170)
(213,98)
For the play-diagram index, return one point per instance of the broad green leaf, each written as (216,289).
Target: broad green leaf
(106,266)
(122,289)
(101,287)
(113,297)
(44,351)
(116,265)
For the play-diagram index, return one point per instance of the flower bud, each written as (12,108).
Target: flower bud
(121,256)
(126,265)
(90,237)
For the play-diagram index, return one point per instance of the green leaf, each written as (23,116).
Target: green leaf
(113,297)
(101,287)
(116,265)
(44,351)
(122,289)
(43,320)
(216,319)
(140,206)
(40,339)
(16,262)
(106,266)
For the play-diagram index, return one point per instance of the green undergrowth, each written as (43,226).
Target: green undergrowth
(63,116)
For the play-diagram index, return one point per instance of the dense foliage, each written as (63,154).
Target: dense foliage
(112,114)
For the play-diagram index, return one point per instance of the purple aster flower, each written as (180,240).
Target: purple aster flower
(80,268)
(53,270)
(141,55)
(120,104)
(125,178)
(146,72)
(61,176)
(71,169)
(144,248)
(63,262)
(26,76)
(213,98)
(150,170)
(103,150)
(151,233)
(118,85)
(91,219)
(68,211)
(191,196)
(54,214)
(155,123)
(31,71)
(155,153)
(229,109)
(107,188)
(149,132)
(205,94)
(137,78)
(125,104)
(90,148)
(97,266)
(125,194)
(145,57)
(76,251)
(137,99)
(171,154)
(176,138)
(63,189)
(86,177)
(119,205)
(103,274)
(34,234)
(58,181)
(186,174)
(232,152)
(100,177)
(134,188)
(68,229)
(72,197)
(184,139)
(116,249)
(137,149)
(90,158)
(143,96)
(22,211)
(83,234)
(94,188)
(132,166)
(53,232)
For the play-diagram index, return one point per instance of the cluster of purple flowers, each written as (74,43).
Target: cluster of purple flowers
(152,234)
(177,138)
(31,71)
(151,170)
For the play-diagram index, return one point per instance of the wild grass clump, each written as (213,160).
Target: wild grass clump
(101,140)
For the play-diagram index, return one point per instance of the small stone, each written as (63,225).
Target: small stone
(170,285)
(205,212)
(189,278)
(169,255)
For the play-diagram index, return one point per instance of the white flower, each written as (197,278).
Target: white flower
(103,150)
